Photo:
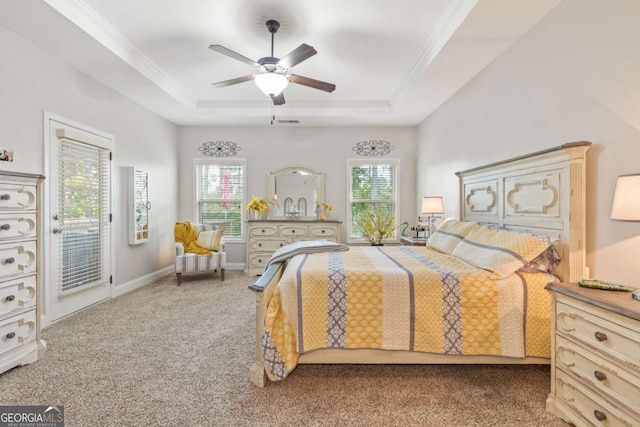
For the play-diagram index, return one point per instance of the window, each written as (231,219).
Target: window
(220,194)
(373,184)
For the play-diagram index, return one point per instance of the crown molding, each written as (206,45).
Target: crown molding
(308,107)
(446,27)
(89,21)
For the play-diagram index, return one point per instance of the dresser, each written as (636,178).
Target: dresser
(20,297)
(265,236)
(595,370)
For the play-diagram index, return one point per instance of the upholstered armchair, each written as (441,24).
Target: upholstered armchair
(187,262)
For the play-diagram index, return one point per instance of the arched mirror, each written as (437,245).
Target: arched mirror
(296,190)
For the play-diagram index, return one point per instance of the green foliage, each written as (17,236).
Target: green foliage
(377,225)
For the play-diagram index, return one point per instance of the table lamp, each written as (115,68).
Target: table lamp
(431,206)
(626,199)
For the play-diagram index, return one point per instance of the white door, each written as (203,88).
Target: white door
(79,215)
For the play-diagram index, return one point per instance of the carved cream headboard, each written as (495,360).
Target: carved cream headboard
(543,193)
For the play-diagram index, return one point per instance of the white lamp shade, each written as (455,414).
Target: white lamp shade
(626,199)
(271,83)
(432,205)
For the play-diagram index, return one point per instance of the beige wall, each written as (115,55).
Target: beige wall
(573,77)
(274,147)
(31,82)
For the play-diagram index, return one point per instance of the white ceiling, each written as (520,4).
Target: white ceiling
(393,62)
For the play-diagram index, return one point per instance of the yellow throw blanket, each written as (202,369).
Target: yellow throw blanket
(185,233)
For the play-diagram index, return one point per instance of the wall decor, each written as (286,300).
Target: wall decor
(373,148)
(219,148)
(138,205)
(6,154)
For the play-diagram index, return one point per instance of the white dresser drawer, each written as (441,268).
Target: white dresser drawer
(18,196)
(293,231)
(589,406)
(266,236)
(17,294)
(267,245)
(263,230)
(17,226)
(607,378)
(323,232)
(604,336)
(17,331)
(258,261)
(17,259)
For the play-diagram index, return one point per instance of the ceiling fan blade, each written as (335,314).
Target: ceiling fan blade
(237,80)
(278,99)
(297,55)
(223,50)
(316,84)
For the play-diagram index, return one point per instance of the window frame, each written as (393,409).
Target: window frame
(243,200)
(396,191)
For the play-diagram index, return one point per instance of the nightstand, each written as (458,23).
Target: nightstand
(595,360)
(413,241)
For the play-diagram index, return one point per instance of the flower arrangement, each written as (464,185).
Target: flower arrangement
(323,208)
(258,204)
(377,226)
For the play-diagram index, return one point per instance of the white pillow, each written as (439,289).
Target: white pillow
(210,239)
(500,251)
(449,233)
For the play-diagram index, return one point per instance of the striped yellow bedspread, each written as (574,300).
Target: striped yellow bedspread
(402,298)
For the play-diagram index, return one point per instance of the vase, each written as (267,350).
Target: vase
(255,215)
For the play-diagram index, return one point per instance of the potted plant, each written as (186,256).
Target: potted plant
(257,207)
(323,209)
(376,226)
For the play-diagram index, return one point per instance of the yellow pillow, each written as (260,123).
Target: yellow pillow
(210,239)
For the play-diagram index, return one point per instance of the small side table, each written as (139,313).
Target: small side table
(413,241)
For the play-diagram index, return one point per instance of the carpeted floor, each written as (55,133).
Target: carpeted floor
(179,356)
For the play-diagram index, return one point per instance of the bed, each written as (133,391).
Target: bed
(455,303)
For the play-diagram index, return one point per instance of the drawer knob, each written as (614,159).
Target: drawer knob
(600,416)
(259,261)
(5,227)
(322,231)
(293,231)
(9,260)
(10,298)
(259,245)
(281,244)
(263,231)
(10,335)
(600,376)
(601,336)
(5,197)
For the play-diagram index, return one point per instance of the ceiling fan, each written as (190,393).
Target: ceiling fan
(274,73)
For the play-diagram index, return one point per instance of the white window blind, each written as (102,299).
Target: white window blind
(373,185)
(220,195)
(84,211)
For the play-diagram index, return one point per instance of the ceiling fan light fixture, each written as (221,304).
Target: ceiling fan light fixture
(271,84)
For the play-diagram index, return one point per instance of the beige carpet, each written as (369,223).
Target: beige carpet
(179,356)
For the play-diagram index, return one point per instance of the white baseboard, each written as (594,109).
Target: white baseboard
(236,266)
(141,281)
(152,277)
